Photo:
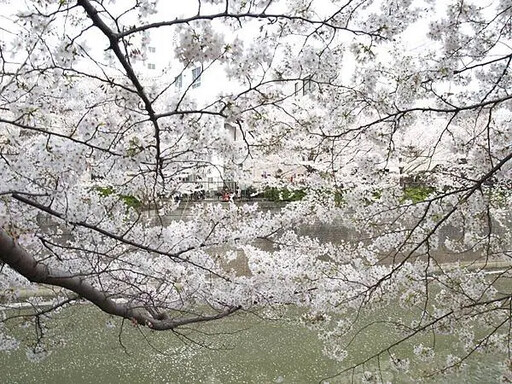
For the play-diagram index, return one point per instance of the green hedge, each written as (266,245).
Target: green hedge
(129,200)
(418,193)
(283,194)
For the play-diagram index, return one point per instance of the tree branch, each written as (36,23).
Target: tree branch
(12,254)
(114,38)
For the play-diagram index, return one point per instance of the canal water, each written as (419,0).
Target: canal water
(90,347)
(87,346)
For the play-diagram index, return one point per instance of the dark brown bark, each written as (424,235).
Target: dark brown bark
(17,258)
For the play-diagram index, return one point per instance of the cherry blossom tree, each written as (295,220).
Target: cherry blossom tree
(394,115)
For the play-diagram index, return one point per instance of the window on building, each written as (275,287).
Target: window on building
(196,77)
(151,66)
(151,49)
(178,81)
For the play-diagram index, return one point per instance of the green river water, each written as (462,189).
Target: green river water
(241,349)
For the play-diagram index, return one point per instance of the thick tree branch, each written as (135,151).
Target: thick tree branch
(26,265)
(114,38)
(121,238)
